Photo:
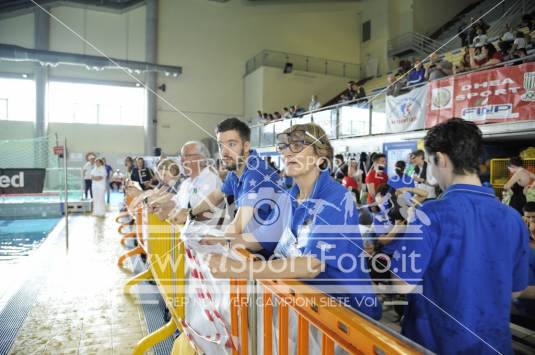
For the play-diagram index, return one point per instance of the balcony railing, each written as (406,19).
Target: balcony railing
(276,59)
(361,117)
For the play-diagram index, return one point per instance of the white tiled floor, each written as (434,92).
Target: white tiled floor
(81,308)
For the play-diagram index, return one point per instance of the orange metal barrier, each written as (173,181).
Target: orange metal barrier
(338,325)
(139,249)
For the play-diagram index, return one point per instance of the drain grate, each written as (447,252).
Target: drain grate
(14,313)
(154,311)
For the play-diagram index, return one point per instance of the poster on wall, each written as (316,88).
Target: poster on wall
(496,95)
(397,151)
(15,181)
(406,112)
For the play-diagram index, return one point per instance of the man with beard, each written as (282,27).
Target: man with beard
(250,184)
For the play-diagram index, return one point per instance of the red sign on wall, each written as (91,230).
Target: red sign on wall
(58,150)
(497,95)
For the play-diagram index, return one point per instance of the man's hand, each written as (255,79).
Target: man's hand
(418,179)
(214,240)
(178,216)
(164,210)
(221,267)
(401,191)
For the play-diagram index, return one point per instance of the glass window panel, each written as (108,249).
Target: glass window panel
(354,120)
(17,99)
(3,109)
(327,120)
(95,103)
(379,115)
(268,137)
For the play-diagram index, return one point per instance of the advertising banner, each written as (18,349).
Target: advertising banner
(21,181)
(504,94)
(406,112)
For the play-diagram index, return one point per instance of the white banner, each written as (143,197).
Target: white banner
(406,112)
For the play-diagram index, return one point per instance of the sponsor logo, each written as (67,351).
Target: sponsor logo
(407,109)
(488,112)
(441,98)
(529,85)
(12,181)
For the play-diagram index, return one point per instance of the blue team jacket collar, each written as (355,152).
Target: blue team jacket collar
(482,190)
(320,183)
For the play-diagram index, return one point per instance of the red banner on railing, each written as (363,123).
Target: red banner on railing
(497,95)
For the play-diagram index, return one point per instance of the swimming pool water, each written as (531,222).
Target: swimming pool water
(18,237)
(45,197)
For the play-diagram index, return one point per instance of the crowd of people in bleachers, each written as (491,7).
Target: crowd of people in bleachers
(286,112)
(318,189)
(479,51)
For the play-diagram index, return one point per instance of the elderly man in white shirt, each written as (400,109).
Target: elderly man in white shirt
(202,179)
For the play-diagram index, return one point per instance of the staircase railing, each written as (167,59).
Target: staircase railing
(511,16)
(416,42)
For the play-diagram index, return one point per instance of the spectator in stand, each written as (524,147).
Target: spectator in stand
(350,93)
(360,93)
(519,47)
(354,174)
(349,181)
(520,179)
(376,176)
(463,35)
(314,103)
(506,39)
(417,74)
(438,68)
(404,67)
(271,117)
(270,162)
(422,177)
(86,174)
(98,181)
(277,115)
(395,85)
(109,171)
(142,174)
(286,113)
(341,167)
(527,21)
(464,64)
(482,25)
(481,39)
(259,116)
(471,32)
(129,166)
(487,55)
(117,180)
(293,113)
(298,110)
(265,117)
(400,179)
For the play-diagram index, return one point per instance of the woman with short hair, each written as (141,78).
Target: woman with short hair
(98,178)
(314,233)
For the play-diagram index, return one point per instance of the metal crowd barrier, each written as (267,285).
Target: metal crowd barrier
(165,257)
(340,327)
